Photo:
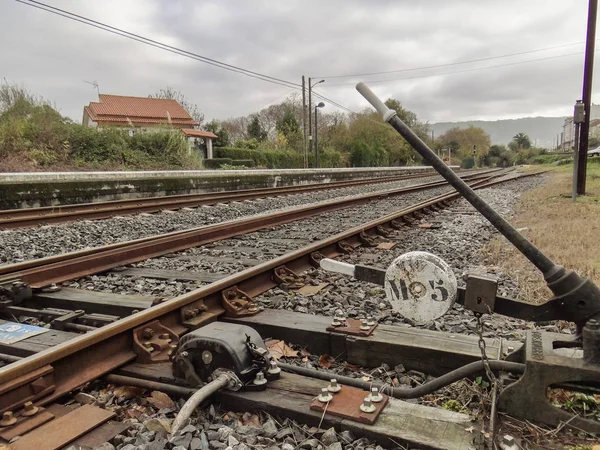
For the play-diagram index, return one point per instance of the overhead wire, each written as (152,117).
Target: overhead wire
(391,80)
(437,66)
(157,44)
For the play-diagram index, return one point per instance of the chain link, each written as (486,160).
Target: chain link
(484,357)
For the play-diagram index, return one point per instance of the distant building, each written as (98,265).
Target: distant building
(568,133)
(142,114)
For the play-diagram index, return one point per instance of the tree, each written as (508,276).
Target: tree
(409,118)
(288,126)
(463,140)
(522,141)
(191,108)
(254,129)
(222,135)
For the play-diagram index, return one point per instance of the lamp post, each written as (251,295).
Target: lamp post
(320,105)
(310,86)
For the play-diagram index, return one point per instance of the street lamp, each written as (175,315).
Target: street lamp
(310,86)
(320,105)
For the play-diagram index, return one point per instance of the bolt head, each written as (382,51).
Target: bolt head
(367,406)
(508,439)
(334,386)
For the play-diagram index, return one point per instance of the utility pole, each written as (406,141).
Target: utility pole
(578,120)
(588,70)
(304,142)
(309,116)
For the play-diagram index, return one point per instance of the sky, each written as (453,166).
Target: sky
(54,56)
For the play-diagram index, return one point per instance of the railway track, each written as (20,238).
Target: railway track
(40,273)
(90,340)
(114,343)
(29,217)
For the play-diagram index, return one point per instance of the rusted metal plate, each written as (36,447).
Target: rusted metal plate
(346,404)
(352,326)
(60,432)
(386,245)
(104,433)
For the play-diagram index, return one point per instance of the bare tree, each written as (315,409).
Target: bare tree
(172,93)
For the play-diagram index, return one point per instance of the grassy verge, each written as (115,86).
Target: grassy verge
(568,232)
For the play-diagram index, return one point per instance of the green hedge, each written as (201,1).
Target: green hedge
(243,162)
(216,163)
(279,159)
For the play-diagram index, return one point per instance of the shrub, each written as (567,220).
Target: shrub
(280,159)
(365,155)
(243,162)
(216,163)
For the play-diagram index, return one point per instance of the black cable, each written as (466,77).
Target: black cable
(419,391)
(437,66)
(459,71)
(157,44)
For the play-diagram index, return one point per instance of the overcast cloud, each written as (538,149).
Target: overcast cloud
(52,56)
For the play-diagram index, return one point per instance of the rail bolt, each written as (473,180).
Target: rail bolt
(274,369)
(259,379)
(29,409)
(8,419)
(325,396)
(334,386)
(375,396)
(148,333)
(364,325)
(367,406)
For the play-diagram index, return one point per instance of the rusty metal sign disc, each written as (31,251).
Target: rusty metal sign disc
(420,286)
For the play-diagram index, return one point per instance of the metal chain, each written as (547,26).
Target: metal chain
(484,357)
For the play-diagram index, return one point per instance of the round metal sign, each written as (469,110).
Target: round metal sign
(420,286)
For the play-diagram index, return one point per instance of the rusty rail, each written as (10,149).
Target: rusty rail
(29,217)
(91,355)
(57,269)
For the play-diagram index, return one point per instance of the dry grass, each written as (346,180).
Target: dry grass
(569,233)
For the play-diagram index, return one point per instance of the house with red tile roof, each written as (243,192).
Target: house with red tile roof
(145,114)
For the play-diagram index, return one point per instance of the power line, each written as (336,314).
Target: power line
(458,71)
(454,63)
(157,44)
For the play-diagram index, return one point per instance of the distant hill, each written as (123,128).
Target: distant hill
(544,129)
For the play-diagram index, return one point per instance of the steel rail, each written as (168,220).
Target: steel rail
(75,265)
(29,217)
(115,339)
(21,266)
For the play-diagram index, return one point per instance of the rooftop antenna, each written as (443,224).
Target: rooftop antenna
(95,84)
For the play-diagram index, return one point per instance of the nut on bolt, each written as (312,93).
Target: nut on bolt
(367,405)
(375,395)
(259,379)
(364,325)
(325,396)
(274,369)
(29,409)
(148,333)
(334,386)
(8,419)
(336,322)
(370,321)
